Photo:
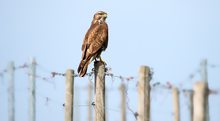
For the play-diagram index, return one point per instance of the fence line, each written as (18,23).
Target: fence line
(145,77)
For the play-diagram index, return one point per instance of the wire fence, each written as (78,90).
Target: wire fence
(50,96)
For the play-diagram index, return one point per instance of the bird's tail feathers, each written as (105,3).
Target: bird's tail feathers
(81,65)
(82,69)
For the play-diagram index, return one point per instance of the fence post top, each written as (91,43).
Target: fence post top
(144,66)
(144,72)
(200,85)
(70,72)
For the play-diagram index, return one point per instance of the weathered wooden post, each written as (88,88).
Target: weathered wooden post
(189,94)
(99,91)
(204,77)
(32,92)
(76,102)
(106,104)
(69,95)
(176,104)
(11,95)
(123,102)
(144,94)
(191,105)
(90,88)
(200,101)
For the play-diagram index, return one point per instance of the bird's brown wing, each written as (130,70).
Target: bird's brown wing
(96,38)
(85,43)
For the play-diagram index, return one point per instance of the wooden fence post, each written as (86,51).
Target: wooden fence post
(123,102)
(144,94)
(176,104)
(200,101)
(90,87)
(99,91)
(11,95)
(69,95)
(204,77)
(191,105)
(106,105)
(76,101)
(32,86)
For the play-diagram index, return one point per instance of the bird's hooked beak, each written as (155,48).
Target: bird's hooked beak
(105,15)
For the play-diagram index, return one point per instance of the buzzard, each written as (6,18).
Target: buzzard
(95,41)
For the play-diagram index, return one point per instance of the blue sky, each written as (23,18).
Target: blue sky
(172,37)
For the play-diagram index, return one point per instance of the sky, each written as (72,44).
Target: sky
(171,37)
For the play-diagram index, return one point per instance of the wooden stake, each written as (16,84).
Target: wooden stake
(90,88)
(32,96)
(69,95)
(200,101)
(76,101)
(99,91)
(11,95)
(204,77)
(144,94)
(176,104)
(123,102)
(203,71)
(191,105)
(106,105)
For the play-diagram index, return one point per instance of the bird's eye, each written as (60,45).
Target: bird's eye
(99,17)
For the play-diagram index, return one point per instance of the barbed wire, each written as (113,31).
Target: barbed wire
(108,72)
(214,65)
(169,86)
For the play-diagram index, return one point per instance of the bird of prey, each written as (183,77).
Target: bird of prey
(95,41)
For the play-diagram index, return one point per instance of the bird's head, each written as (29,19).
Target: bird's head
(100,17)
